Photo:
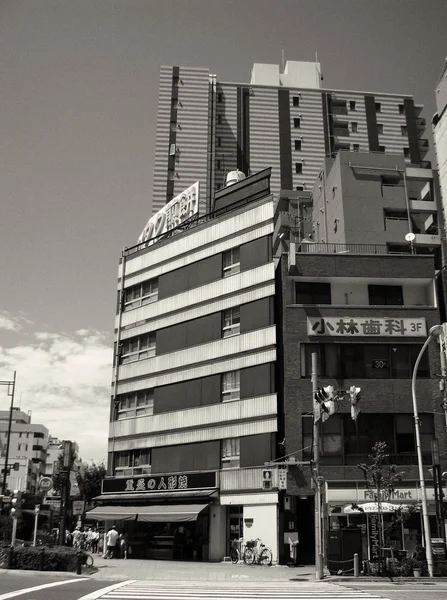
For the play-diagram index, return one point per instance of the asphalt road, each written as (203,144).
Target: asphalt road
(78,586)
(424,590)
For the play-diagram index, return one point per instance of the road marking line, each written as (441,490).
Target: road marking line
(37,588)
(104,590)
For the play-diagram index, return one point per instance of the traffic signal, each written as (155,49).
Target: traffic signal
(324,405)
(267,479)
(16,503)
(355,397)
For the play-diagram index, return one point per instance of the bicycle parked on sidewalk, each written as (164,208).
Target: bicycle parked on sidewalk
(257,553)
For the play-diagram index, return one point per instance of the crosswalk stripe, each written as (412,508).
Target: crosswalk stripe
(218,590)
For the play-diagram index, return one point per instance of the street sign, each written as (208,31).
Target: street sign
(78,507)
(282,479)
(46,484)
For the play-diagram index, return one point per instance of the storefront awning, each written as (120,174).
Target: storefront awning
(158,495)
(169,514)
(112,513)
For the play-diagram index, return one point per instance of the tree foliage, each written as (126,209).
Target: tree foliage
(58,474)
(89,479)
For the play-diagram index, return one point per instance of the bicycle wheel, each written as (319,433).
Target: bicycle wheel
(249,556)
(234,555)
(265,557)
(88,560)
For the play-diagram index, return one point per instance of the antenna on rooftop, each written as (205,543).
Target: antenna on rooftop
(282,59)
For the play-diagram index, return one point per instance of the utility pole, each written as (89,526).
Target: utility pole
(11,389)
(316,471)
(65,491)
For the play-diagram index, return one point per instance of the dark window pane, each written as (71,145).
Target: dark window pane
(332,360)
(311,292)
(386,295)
(352,360)
(400,362)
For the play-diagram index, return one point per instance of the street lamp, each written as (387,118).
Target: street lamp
(435,332)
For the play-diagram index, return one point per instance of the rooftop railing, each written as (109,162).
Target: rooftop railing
(369,249)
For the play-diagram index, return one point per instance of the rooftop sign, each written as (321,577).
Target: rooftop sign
(177,211)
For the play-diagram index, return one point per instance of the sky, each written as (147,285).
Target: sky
(78,109)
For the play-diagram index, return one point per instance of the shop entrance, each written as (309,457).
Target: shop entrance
(235,524)
(306,532)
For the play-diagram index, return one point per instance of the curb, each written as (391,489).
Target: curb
(25,572)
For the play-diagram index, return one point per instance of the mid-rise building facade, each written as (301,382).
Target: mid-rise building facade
(194,409)
(364,302)
(440,133)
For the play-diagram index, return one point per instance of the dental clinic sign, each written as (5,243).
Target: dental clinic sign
(177,211)
(350,327)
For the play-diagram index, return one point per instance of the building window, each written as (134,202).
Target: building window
(382,149)
(296,101)
(26,447)
(219,142)
(231,322)
(219,97)
(348,442)
(379,127)
(230,453)
(297,144)
(133,462)
(385,295)
(378,107)
(141,294)
(19,447)
(231,262)
(298,167)
(312,292)
(218,167)
(299,188)
(219,119)
(404,130)
(356,147)
(401,109)
(352,105)
(407,152)
(135,404)
(297,122)
(231,386)
(137,348)
(354,127)
(20,435)
(363,361)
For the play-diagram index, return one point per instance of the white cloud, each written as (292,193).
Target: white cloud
(12,323)
(65,381)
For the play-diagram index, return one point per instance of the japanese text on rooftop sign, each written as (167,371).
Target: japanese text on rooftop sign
(366,326)
(177,211)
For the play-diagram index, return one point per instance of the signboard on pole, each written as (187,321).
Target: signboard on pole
(46,484)
(78,507)
(282,479)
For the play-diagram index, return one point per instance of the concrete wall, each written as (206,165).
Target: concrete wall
(265,525)
(218,532)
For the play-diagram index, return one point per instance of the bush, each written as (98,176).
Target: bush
(55,558)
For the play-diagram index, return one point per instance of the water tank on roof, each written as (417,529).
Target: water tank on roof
(234,177)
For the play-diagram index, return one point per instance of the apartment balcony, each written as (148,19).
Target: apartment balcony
(427,240)
(246,479)
(423,146)
(423,206)
(394,192)
(420,125)
(422,171)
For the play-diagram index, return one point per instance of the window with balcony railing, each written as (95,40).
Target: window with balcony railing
(231,262)
(135,404)
(230,453)
(133,462)
(138,348)
(231,322)
(141,294)
(231,386)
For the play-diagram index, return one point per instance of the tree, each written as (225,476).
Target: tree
(89,479)
(381,479)
(57,475)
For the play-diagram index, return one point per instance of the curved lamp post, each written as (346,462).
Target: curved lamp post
(435,332)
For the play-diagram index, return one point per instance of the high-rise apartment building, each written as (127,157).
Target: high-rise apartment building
(283,120)
(440,133)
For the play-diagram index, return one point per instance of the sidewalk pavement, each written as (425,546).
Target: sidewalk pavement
(112,569)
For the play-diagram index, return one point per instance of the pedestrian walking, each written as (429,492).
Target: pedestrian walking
(112,539)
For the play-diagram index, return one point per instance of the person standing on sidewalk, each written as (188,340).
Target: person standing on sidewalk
(112,539)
